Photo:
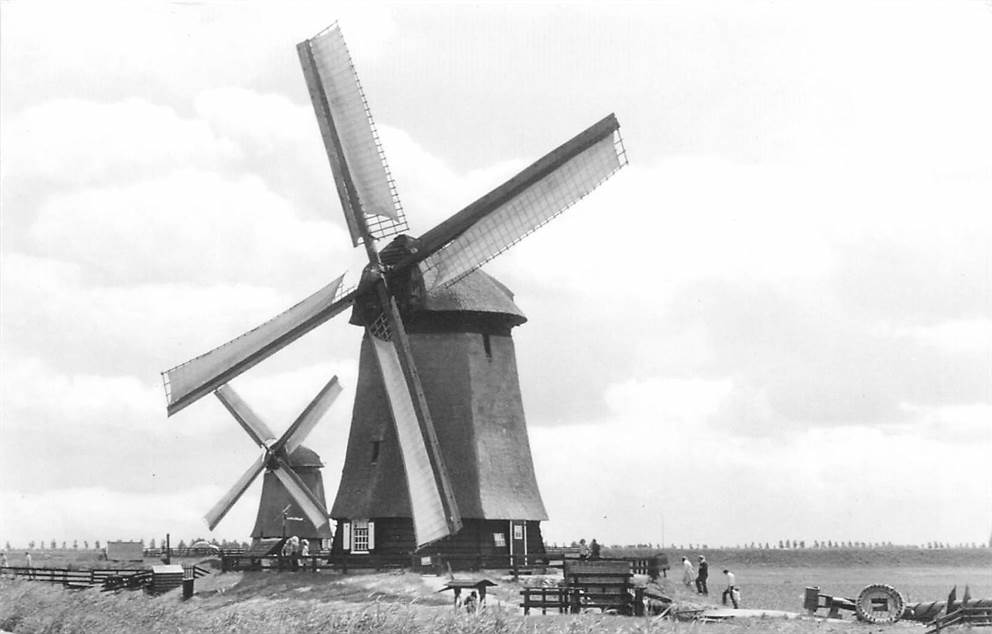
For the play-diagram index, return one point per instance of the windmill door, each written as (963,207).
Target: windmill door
(518,542)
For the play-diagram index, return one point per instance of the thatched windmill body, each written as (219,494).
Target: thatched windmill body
(438,453)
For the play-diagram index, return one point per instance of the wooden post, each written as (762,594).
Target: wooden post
(811,599)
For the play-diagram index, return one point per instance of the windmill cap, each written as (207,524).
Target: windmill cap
(304,456)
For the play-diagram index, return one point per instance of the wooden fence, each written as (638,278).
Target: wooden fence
(437,562)
(970,615)
(107,578)
(71,578)
(191,552)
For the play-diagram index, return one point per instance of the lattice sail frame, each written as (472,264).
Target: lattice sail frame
(525,213)
(429,520)
(351,118)
(189,377)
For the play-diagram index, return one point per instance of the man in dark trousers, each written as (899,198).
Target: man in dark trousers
(701,576)
(594,549)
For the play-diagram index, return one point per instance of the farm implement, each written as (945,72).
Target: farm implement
(881,603)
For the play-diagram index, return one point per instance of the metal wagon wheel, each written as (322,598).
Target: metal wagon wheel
(879,603)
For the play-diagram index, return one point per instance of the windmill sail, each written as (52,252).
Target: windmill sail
(520,206)
(245,416)
(275,451)
(186,383)
(429,521)
(220,509)
(305,423)
(304,498)
(361,174)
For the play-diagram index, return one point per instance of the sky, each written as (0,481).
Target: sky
(776,323)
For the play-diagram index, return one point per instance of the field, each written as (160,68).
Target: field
(406,602)
(775,579)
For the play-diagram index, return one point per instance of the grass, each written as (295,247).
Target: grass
(36,608)
(406,602)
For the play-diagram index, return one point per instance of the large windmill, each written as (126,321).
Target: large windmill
(438,440)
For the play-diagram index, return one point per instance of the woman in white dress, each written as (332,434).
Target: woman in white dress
(688,572)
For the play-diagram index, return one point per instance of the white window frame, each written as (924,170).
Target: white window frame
(499,539)
(362,540)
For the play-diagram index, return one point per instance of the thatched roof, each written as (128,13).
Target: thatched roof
(477,292)
(304,457)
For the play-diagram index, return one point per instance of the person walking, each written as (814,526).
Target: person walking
(702,576)
(583,549)
(688,572)
(594,549)
(731,589)
(27,564)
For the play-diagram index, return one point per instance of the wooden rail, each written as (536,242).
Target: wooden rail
(243,562)
(71,578)
(191,552)
(555,599)
(515,564)
(972,616)
(107,578)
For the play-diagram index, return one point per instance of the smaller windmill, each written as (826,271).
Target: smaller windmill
(286,518)
(282,459)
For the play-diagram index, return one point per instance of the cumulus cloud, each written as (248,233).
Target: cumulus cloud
(186,226)
(50,311)
(101,429)
(168,52)
(103,513)
(698,480)
(72,142)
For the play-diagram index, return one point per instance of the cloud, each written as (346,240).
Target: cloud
(73,142)
(654,460)
(102,429)
(102,513)
(802,360)
(944,277)
(168,52)
(186,226)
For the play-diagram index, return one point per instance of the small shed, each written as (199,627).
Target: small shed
(125,551)
(165,578)
(457,585)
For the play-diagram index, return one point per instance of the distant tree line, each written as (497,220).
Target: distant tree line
(795,544)
(97,545)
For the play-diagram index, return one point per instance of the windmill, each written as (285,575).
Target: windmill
(290,474)
(430,284)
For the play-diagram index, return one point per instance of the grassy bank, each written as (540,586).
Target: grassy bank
(35,608)
(406,602)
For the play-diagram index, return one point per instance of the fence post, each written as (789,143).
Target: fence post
(638,601)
